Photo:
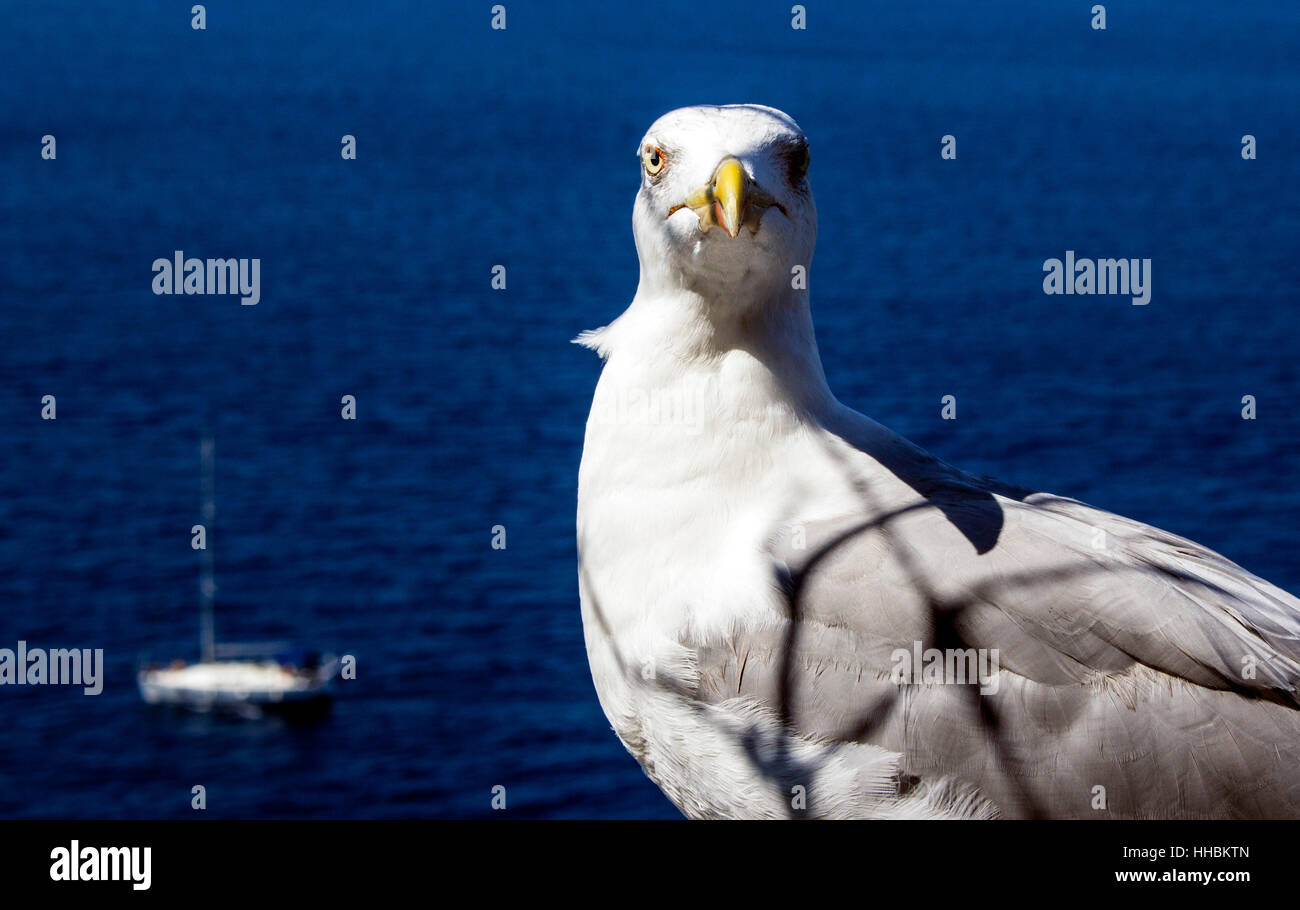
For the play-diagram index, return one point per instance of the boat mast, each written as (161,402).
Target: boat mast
(207,588)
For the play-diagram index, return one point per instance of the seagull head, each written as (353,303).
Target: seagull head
(724,207)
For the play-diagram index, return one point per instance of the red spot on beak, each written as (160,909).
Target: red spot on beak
(722,221)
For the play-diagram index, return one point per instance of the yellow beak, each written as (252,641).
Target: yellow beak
(729,188)
(730,199)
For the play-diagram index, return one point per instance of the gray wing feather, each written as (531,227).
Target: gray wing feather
(1132,659)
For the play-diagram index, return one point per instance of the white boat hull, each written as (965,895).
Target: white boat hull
(235,685)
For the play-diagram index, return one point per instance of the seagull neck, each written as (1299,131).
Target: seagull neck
(693,330)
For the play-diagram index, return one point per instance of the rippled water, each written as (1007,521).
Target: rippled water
(477,148)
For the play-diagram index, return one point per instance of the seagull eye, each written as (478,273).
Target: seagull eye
(799,164)
(654,160)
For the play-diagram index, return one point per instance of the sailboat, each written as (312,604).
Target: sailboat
(246,679)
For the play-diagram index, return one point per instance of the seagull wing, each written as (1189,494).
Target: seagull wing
(1140,674)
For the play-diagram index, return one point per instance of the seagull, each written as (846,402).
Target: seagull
(792,612)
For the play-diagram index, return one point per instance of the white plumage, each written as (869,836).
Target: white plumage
(754,555)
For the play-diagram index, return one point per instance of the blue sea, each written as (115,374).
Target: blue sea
(479,147)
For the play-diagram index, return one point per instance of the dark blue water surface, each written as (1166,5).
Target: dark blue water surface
(480,147)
